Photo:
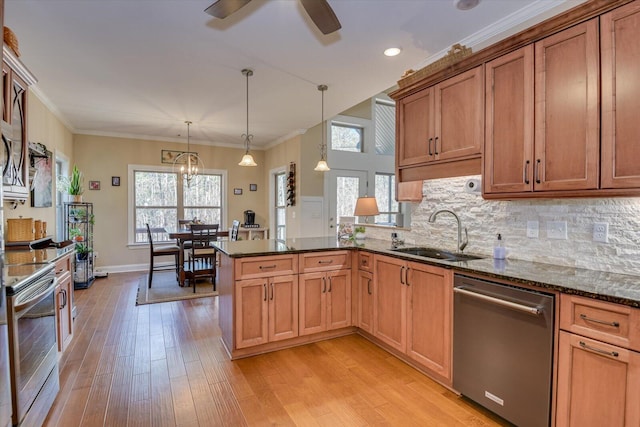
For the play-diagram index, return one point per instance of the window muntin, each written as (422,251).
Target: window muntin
(346,137)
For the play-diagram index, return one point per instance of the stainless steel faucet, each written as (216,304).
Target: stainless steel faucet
(461,244)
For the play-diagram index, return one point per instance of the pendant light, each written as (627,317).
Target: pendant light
(187,163)
(322,165)
(247,159)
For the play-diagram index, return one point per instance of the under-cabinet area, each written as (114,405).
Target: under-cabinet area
(411,308)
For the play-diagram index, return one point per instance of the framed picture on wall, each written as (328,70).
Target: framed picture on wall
(237,191)
(115,181)
(94,185)
(253,187)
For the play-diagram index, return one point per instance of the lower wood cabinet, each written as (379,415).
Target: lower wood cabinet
(266,310)
(324,301)
(64,302)
(412,311)
(598,383)
(365,301)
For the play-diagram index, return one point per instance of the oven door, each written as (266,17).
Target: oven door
(33,348)
(5,388)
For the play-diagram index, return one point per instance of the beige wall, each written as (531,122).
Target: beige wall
(101,157)
(362,110)
(45,128)
(311,182)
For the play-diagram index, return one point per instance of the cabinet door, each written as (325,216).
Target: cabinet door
(598,384)
(415,128)
(365,301)
(459,119)
(390,301)
(620,97)
(429,317)
(508,149)
(283,307)
(566,112)
(64,303)
(15,170)
(338,299)
(312,303)
(251,312)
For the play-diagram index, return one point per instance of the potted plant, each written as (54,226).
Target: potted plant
(72,185)
(359,233)
(82,251)
(76,234)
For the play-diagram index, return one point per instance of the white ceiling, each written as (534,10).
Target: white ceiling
(140,68)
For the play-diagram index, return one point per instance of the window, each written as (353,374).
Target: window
(159,197)
(281,205)
(346,137)
(385,122)
(386,198)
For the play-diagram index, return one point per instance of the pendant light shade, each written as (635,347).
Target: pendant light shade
(322,165)
(247,159)
(188,164)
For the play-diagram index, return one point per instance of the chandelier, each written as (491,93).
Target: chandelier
(322,165)
(187,163)
(247,159)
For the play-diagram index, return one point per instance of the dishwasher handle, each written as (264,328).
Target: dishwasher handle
(498,301)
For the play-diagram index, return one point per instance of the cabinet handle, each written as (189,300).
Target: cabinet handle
(264,285)
(406,276)
(263,267)
(525,173)
(369,286)
(597,350)
(401,275)
(324,285)
(325,261)
(364,263)
(602,322)
(537,171)
(430,141)
(271,291)
(435,146)
(329,284)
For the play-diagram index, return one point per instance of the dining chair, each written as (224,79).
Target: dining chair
(235,226)
(163,250)
(202,255)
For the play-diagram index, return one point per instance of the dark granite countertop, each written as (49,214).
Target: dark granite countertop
(35,256)
(607,286)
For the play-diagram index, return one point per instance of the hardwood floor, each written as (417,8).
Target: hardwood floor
(164,365)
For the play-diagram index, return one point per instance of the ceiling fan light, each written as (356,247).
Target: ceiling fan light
(392,51)
(322,166)
(247,160)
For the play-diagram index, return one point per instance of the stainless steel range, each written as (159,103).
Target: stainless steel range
(31,317)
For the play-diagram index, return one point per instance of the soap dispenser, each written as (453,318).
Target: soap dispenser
(499,251)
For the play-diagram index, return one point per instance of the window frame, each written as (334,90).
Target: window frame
(131,169)
(392,199)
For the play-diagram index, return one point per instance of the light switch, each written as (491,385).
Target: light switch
(533,229)
(557,230)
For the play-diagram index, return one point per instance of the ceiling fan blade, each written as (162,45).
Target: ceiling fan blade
(322,15)
(223,8)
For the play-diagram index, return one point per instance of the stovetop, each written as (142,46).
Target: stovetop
(23,266)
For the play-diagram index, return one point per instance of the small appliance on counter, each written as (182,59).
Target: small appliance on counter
(250,219)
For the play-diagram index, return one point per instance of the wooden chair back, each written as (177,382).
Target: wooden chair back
(235,226)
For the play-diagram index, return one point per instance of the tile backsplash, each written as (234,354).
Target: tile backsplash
(486,218)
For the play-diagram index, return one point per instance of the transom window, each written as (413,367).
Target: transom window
(160,197)
(345,137)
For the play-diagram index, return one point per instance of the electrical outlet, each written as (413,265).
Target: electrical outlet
(533,229)
(557,230)
(601,232)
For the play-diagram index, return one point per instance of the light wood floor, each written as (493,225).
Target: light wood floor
(164,365)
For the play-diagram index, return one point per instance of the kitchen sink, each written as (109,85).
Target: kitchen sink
(437,254)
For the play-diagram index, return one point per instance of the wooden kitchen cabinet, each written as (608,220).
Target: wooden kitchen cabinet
(365,301)
(598,383)
(324,301)
(266,310)
(390,301)
(64,302)
(555,147)
(441,123)
(620,31)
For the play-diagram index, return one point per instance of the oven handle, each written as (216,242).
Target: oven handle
(35,299)
(515,306)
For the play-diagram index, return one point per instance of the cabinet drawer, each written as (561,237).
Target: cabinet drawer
(365,261)
(277,265)
(321,261)
(63,265)
(612,323)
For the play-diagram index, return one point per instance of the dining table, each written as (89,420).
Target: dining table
(183,235)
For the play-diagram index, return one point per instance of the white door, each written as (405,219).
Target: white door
(345,186)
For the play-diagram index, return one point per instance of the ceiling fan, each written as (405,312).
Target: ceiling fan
(319,11)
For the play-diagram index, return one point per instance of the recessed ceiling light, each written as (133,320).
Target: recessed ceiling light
(465,4)
(392,51)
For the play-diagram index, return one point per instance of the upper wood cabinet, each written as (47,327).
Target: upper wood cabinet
(441,123)
(557,147)
(620,50)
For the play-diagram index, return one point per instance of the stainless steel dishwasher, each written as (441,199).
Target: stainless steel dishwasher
(503,349)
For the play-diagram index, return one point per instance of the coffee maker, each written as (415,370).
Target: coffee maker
(249,218)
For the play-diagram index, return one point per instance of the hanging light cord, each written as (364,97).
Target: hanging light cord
(247,137)
(323,143)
